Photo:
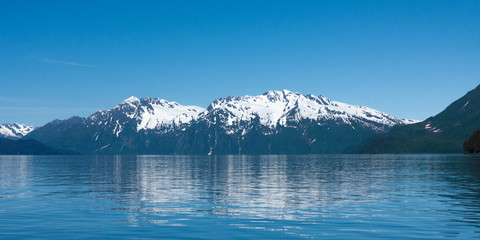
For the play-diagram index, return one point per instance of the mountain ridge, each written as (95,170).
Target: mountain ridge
(442,133)
(273,122)
(14,131)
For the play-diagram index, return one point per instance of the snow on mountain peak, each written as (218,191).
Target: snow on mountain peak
(271,109)
(275,95)
(157,113)
(131,99)
(280,107)
(148,114)
(15,130)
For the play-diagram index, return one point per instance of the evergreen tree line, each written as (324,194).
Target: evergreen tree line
(472,145)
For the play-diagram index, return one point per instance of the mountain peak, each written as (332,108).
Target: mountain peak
(131,99)
(14,130)
(283,92)
(146,114)
(275,108)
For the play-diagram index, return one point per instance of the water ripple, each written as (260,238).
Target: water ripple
(238,197)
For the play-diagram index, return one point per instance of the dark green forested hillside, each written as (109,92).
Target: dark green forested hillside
(472,145)
(28,147)
(443,133)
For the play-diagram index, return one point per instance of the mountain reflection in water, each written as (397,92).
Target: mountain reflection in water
(306,196)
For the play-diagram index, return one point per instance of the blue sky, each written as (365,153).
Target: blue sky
(64,58)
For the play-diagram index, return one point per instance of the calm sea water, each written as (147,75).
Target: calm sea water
(238,197)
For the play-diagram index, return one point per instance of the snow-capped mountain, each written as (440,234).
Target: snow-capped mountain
(286,108)
(281,122)
(132,126)
(146,114)
(15,130)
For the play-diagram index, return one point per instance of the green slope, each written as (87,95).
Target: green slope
(443,133)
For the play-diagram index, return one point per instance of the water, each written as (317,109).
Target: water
(238,197)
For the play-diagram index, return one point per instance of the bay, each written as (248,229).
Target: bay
(240,197)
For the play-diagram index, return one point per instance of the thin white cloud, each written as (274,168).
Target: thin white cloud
(46,109)
(64,62)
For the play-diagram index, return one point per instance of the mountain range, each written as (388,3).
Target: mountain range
(276,122)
